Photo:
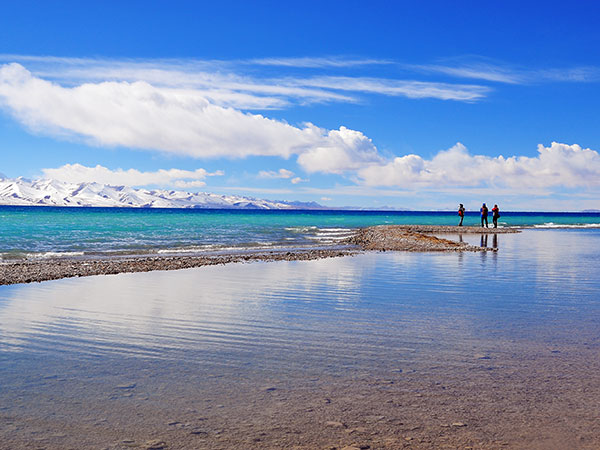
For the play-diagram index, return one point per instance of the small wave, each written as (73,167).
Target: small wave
(45,255)
(324,234)
(567,225)
(301,229)
(195,250)
(190,249)
(328,238)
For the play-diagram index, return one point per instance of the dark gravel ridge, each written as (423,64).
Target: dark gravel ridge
(54,269)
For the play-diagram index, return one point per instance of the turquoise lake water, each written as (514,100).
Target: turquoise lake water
(35,232)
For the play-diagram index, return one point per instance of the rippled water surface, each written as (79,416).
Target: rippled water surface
(346,311)
(372,313)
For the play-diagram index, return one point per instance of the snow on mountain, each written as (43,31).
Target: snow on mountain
(21,191)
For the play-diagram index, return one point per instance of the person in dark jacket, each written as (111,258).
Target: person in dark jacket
(484,215)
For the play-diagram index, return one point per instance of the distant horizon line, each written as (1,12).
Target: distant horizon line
(324,209)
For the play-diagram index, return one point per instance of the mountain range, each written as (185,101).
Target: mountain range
(48,192)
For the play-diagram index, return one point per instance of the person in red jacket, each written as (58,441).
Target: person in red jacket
(461,214)
(495,215)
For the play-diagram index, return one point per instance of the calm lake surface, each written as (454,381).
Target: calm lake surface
(67,347)
(335,314)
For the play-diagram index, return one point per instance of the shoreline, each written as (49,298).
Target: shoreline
(411,238)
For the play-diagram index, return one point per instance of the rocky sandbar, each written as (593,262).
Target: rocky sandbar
(412,238)
(420,238)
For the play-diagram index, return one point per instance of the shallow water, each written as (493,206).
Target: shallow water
(69,344)
(536,278)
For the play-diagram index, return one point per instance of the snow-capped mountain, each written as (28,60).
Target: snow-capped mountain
(21,191)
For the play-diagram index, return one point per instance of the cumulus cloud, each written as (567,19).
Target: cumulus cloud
(177,121)
(558,165)
(343,150)
(297,180)
(281,173)
(77,173)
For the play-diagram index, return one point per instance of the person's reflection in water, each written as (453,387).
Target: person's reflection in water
(495,241)
(484,239)
(460,238)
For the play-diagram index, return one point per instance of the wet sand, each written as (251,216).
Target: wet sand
(414,238)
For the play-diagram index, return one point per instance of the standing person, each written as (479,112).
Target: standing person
(495,215)
(484,214)
(461,214)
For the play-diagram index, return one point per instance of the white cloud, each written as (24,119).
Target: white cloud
(504,73)
(188,184)
(77,173)
(486,72)
(228,83)
(281,173)
(558,165)
(326,199)
(343,150)
(405,88)
(316,62)
(217,81)
(177,121)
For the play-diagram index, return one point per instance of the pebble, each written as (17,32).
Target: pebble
(459,424)
(155,444)
(126,386)
(198,432)
(334,424)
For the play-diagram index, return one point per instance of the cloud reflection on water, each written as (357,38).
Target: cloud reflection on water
(364,310)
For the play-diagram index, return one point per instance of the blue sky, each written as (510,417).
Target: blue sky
(404,104)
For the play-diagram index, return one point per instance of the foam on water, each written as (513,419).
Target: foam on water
(564,225)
